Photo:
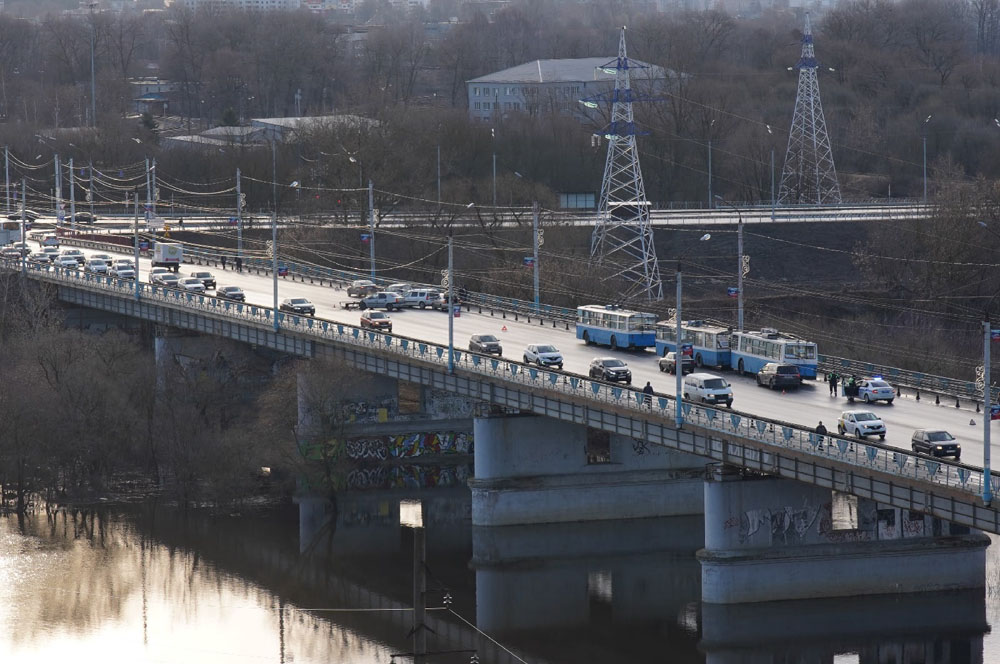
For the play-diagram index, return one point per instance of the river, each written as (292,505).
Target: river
(150,584)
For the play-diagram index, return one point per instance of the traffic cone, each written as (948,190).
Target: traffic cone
(782,391)
(503,329)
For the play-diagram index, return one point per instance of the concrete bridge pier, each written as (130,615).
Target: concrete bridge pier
(769,539)
(532,469)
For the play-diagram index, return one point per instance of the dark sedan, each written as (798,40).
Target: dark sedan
(298,305)
(234,293)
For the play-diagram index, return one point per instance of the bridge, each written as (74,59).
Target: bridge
(759,445)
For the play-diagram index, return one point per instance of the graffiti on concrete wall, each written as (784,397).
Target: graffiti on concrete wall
(409,476)
(379,409)
(441,404)
(786,525)
(416,444)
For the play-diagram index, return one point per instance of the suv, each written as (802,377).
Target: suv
(361,288)
(610,369)
(376,320)
(384,300)
(935,442)
(860,423)
(707,388)
(485,343)
(669,363)
(543,355)
(207,278)
(776,375)
(421,298)
(76,254)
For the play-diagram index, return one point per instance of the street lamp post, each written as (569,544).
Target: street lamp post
(987,409)
(93,85)
(371,226)
(743,263)
(135,240)
(924,127)
(451,305)
(536,242)
(771,133)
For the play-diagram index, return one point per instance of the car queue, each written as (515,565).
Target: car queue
(698,386)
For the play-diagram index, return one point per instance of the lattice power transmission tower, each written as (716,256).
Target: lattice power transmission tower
(808,176)
(623,238)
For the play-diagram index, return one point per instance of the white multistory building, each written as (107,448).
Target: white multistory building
(255,5)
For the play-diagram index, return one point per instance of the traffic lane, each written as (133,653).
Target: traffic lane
(805,407)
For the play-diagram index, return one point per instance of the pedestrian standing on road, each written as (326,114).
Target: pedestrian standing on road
(833,384)
(239,264)
(180,222)
(223,259)
(820,432)
(648,391)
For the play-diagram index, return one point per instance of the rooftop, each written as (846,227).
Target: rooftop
(569,70)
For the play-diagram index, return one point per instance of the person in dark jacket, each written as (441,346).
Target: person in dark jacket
(648,391)
(832,377)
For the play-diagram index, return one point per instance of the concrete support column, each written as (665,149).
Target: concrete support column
(773,539)
(531,469)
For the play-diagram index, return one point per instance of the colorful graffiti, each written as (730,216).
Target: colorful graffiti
(417,444)
(410,476)
(380,409)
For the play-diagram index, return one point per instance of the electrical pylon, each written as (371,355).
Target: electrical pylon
(808,175)
(623,238)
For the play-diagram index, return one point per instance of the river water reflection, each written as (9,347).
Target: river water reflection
(151,584)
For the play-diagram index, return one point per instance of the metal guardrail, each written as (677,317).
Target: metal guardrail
(947,387)
(861,454)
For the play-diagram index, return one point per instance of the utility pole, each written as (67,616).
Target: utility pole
(439,174)
(371,226)
(536,242)
(72,195)
(155,193)
(6,176)
(135,237)
(239,217)
(149,193)
(90,189)
(274,264)
(451,305)
(59,203)
(24,259)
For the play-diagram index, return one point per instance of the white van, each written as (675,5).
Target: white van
(708,388)
(422,298)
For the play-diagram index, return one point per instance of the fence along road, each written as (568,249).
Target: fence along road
(867,469)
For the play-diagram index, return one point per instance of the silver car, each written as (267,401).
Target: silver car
(544,355)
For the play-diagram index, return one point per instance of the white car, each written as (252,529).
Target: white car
(544,355)
(860,423)
(67,261)
(97,266)
(191,285)
(875,389)
(384,300)
(156,273)
(122,271)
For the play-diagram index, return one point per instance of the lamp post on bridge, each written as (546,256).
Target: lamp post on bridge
(678,359)
(983,381)
(923,128)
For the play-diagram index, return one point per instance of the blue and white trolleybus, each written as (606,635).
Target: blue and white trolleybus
(752,350)
(609,325)
(709,343)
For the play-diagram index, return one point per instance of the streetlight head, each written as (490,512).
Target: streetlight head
(982,223)
(768,127)
(294,184)
(518,174)
(996,121)
(470,205)
(929,118)
(720,197)
(352,160)
(137,141)
(706,236)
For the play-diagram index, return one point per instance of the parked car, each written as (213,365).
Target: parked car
(191,285)
(485,343)
(935,442)
(376,320)
(97,266)
(775,375)
(860,423)
(544,355)
(381,300)
(76,254)
(400,289)
(669,363)
(298,305)
(441,303)
(168,280)
(875,389)
(156,273)
(29,215)
(67,261)
(707,388)
(207,278)
(234,293)
(361,288)
(420,298)
(122,271)
(85,218)
(610,369)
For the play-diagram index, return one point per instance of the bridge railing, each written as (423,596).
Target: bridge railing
(772,433)
(916,380)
